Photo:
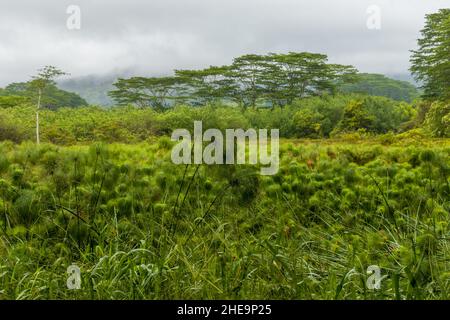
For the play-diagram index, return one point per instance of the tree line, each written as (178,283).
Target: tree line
(278,80)
(272,80)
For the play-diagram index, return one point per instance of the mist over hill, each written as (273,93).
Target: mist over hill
(381,85)
(403,77)
(94,88)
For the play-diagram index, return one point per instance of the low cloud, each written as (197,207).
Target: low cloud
(155,37)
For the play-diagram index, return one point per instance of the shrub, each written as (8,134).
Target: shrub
(9,131)
(437,120)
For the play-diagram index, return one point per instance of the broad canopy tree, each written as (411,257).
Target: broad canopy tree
(202,87)
(154,92)
(276,79)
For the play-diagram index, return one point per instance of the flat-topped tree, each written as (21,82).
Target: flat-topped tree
(247,72)
(45,77)
(282,78)
(208,85)
(154,92)
(305,74)
(249,80)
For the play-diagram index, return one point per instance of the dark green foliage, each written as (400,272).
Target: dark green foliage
(380,85)
(204,87)
(431,61)
(19,93)
(157,93)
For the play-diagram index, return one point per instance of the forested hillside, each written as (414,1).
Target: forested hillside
(380,85)
(23,92)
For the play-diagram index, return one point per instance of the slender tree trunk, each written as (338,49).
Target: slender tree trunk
(38,139)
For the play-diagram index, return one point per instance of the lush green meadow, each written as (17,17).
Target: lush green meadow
(140,227)
(88,183)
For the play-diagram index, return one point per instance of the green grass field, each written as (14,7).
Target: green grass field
(140,227)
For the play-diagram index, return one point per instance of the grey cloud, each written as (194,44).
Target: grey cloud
(157,36)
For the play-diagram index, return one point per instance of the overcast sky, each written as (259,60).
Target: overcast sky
(156,36)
